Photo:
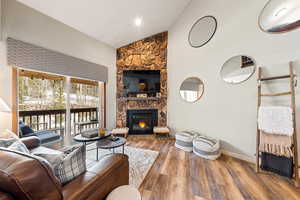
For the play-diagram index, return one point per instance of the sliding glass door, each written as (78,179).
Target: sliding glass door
(52,102)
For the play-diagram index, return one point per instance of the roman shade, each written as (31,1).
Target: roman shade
(31,57)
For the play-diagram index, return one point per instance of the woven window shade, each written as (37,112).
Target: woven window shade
(32,57)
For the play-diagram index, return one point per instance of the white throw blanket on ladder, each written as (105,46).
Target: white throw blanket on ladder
(276,120)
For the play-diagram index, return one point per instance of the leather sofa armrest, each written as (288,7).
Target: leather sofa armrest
(109,173)
(31,142)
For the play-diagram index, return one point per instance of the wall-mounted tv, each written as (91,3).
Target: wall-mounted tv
(141,81)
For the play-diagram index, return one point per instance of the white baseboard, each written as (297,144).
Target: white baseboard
(239,156)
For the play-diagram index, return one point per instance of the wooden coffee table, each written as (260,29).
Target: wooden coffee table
(109,143)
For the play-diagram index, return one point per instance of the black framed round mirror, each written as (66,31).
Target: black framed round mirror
(202,31)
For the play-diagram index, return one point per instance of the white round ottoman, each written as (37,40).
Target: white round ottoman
(184,141)
(125,192)
(206,147)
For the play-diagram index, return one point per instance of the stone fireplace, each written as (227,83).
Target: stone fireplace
(147,54)
(141,121)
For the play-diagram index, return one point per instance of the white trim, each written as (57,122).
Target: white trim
(239,156)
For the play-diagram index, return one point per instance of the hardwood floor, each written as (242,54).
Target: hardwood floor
(178,175)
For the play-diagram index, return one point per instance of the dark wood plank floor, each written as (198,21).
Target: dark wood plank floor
(178,175)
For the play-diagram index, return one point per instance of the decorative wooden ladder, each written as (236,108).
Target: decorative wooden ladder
(291,76)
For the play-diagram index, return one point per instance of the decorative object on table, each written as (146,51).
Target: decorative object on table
(158,94)
(202,31)
(90,134)
(102,131)
(161,130)
(143,95)
(125,192)
(140,161)
(111,143)
(184,141)
(280,120)
(72,165)
(191,89)
(238,69)
(280,16)
(120,131)
(206,147)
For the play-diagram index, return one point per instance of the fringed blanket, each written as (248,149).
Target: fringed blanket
(276,144)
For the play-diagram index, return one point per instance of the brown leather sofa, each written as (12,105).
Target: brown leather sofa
(25,177)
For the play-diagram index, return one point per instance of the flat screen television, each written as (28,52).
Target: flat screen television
(141,81)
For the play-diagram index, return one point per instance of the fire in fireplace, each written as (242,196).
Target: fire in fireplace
(141,121)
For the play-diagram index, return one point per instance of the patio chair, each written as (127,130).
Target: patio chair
(45,136)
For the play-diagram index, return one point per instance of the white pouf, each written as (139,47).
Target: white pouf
(184,141)
(206,147)
(125,192)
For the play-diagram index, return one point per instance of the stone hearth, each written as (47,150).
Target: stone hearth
(147,54)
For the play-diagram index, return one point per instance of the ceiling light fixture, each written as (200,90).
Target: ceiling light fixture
(138,21)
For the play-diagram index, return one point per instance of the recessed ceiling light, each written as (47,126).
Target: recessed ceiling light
(138,21)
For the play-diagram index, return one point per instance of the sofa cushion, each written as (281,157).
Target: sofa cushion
(72,165)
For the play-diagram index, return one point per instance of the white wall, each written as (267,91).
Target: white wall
(23,23)
(225,111)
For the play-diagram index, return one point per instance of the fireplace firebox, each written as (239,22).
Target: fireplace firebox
(141,121)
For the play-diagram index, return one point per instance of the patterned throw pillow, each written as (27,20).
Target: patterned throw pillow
(7,138)
(72,166)
(19,146)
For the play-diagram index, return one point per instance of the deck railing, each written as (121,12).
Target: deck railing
(56,119)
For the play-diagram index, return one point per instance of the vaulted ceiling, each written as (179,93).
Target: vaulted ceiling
(113,21)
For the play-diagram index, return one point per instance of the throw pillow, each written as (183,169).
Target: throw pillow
(72,166)
(19,146)
(7,138)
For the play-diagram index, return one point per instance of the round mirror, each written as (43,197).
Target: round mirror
(238,69)
(191,89)
(280,16)
(202,31)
